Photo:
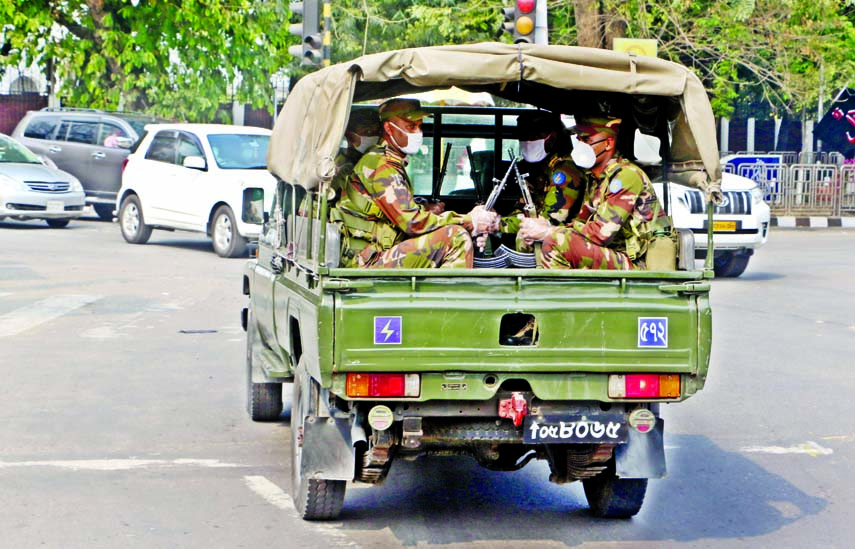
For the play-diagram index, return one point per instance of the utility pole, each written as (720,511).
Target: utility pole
(541,30)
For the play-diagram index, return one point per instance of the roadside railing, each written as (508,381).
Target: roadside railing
(805,188)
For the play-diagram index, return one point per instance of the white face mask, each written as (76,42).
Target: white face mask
(414,141)
(366,143)
(533,151)
(583,155)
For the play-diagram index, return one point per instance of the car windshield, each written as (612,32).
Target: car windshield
(240,151)
(12,151)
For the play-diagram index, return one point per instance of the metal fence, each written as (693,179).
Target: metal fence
(819,189)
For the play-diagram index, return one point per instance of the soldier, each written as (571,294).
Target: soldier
(381,223)
(554,181)
(619,214)
(362,133)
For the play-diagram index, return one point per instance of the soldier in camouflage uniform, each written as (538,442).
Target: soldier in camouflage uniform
(362,133)
(618,217)
(554,181)
(381,223)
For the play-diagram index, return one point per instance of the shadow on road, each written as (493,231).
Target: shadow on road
(709,494)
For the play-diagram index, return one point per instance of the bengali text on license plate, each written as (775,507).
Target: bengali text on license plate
(602,428)
(724,225)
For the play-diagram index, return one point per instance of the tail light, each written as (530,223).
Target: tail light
(364,385)
(644,386)
(124,163)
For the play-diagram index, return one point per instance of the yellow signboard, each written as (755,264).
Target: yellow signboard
(638,46)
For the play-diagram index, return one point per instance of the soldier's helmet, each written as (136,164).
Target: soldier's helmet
(538,125)
(587,126)
(364,121)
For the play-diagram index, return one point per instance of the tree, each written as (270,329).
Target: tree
(171,57)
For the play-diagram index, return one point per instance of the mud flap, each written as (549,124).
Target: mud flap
(327,451)
(643,456)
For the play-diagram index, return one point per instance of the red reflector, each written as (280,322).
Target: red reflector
(642,385)
(525,6)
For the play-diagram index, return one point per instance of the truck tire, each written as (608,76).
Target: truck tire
(263,400)
(315,499)
(730,264)
(613,497)
(224,234)
(132,222)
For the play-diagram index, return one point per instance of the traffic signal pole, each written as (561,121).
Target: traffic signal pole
(541,34)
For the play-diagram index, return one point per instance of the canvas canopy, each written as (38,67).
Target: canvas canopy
(660,97)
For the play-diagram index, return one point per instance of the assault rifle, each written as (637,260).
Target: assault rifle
(500,184)
(529,208)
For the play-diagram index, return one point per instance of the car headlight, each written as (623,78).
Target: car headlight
(76,186)
(11,184)
(756,194)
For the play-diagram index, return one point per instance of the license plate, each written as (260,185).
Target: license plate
(724,226)
(599,428)
(55,206)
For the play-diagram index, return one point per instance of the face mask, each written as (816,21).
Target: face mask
(414,141)
(583,154)
(366,143)
(533,151)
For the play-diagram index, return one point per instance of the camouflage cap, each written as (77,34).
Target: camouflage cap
(409,109)
(594,125)
(537,124)
(364,122)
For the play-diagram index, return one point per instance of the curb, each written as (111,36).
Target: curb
(792,222)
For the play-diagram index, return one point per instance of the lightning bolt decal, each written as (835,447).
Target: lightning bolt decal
(388,332)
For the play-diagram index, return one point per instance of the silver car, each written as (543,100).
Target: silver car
(30,189)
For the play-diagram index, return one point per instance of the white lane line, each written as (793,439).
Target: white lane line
(810,448)
(273,494)
(117,464)
(24,318)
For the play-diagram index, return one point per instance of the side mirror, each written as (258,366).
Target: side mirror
(253,206)
(194,162)
(124,142)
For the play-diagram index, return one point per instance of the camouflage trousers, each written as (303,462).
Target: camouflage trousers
(448,247)
(571,250)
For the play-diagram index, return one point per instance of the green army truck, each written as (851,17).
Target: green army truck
(505,364)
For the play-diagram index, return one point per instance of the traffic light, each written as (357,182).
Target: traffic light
(309,31)
(519,20)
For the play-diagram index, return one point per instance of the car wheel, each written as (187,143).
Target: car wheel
(613,497)
(104,211)
(730,264)
(263,400)
(57,223)
(314,498)
(224,234)
(132,222)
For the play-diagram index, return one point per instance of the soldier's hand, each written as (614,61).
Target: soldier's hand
(484,221)
(481,241)
(435,208)
(534,230)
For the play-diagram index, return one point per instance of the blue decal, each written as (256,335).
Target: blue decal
(387,330)
(559,178)
(653,332)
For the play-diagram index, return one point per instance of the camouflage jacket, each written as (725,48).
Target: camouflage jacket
(621,210)
(555,185)
(345,160)
(377,205)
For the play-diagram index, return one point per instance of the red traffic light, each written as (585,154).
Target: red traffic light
(525,6)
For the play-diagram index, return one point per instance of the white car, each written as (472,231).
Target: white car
(207,178)
(740,224)
(32,189)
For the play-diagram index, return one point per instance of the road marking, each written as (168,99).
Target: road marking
(810,448)
(841,438)
(117,464)
(24,318)
(272,493)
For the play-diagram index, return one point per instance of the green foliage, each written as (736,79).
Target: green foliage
(171,57)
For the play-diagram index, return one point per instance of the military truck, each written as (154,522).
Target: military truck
(388,364)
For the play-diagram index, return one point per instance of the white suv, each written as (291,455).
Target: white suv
(207,178)
(740,223)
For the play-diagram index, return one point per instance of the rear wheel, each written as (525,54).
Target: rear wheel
(132,223)
(104,211)
(730,264)
(315,499)
(613,497)
(263,400)
(57,223)
(224,234)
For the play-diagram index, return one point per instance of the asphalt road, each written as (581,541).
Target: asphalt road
(123,421)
